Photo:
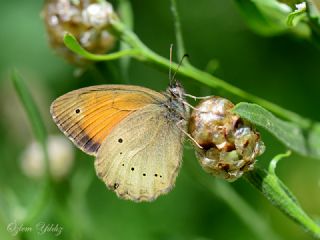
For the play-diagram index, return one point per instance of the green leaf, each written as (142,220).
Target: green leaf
(288,133)
(270,17)
(30,107)
(296,16)
(314,140)
(71,42)
(37,207)
(266,17)
(313,13)
(280,196)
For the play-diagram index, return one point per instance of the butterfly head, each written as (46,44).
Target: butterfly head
(176,90)
(177,109)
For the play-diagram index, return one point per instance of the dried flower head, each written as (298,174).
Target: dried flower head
(87,20)
(229,144)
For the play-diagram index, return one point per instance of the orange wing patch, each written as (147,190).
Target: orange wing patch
(88,115)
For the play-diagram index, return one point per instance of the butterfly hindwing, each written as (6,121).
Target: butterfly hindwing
(141,156)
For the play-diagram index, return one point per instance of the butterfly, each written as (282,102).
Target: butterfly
(135,133)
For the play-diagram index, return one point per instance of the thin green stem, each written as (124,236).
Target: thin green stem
(179,39)
(267,182)
(205,78)
(145,54)
(126,14)
(73,45)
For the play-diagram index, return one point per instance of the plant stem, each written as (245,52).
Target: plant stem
(179,39)
(265,182)
(127,16)
(268,183)
(145,54)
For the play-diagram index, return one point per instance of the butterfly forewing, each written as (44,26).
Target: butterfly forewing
(141,156)
(88,115)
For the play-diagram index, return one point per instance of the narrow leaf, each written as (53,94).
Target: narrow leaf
(37,207)
(314,140)
(280,196)
(313,13)
(288,133)
(266,17)
(30,107)
(71,42)
(294,17)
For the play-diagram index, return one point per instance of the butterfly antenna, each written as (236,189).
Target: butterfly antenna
(180,63)
(170,69)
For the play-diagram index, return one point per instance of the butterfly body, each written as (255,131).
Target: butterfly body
(134,132)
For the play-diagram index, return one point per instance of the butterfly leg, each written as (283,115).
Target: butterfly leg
(189,105)
(196,98)
(187,134)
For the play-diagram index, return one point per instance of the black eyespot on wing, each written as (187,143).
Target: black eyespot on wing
(120,140)
(132,169)
(77,110)
(144,174)
(115,186)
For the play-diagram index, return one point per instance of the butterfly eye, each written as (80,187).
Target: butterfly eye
(230,145)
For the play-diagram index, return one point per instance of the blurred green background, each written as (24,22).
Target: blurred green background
(282,69)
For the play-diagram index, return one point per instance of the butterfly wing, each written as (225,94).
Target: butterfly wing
(140,158)
(88,115)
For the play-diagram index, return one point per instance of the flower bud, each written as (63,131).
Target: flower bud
(61,157)
(229,144)
(87,20)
